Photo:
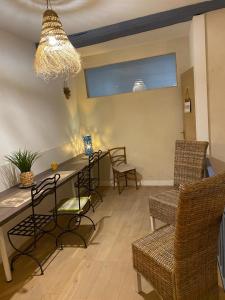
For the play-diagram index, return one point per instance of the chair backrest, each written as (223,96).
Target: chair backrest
(189,163)
(200,209)
(82,184)
(43,189)
(117,156)
(82,181)
(94,159)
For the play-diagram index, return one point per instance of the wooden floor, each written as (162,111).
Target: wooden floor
(104,270)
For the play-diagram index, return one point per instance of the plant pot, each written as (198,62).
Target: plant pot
(26,178)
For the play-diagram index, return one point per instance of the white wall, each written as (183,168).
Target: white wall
(198,61)
(33,114)
(147,123)
(215,25)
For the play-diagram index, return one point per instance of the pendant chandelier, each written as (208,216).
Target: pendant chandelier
(55,55)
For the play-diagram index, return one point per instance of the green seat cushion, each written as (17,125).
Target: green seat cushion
(72,204)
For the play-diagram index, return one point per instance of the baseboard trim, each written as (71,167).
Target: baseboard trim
(157,182)
(144,183)
(106,183)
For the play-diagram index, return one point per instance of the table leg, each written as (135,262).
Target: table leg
(4,255)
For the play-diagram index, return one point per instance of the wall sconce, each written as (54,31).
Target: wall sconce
(187,103)
(88,150)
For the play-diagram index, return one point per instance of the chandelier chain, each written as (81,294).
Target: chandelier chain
(49,5)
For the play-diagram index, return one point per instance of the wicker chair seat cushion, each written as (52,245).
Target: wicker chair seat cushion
(153,257)
(163,206)
(122,168)
(72,204)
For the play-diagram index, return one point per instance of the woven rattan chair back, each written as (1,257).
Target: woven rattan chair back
(189,161)
(200,209)
(117,156)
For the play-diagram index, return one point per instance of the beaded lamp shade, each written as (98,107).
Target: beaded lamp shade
(55,55)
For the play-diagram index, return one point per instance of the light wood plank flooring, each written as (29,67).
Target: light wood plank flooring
(104,270)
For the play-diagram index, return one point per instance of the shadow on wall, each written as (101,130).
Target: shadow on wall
(100,140)
(8,176)
(75,133)
(75,145)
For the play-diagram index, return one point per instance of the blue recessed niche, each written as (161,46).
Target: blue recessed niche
(132,76)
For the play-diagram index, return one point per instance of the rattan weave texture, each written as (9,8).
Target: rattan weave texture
(189,162)
(181,261)
(55,55)
(153,258)
(163,206)
(189,167)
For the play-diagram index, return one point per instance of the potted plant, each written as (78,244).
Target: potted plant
(24,160)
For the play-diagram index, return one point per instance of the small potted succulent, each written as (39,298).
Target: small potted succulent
(24,160)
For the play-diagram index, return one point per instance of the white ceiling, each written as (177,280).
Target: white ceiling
(23,17)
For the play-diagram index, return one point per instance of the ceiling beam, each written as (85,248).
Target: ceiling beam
(142,24)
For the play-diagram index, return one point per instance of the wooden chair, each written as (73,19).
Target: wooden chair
(181,261)
(121,169)
(189,166)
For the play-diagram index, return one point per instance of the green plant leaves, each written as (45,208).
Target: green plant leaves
(23,159)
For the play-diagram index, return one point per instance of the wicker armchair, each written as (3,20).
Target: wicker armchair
(181,261)
(189,167)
